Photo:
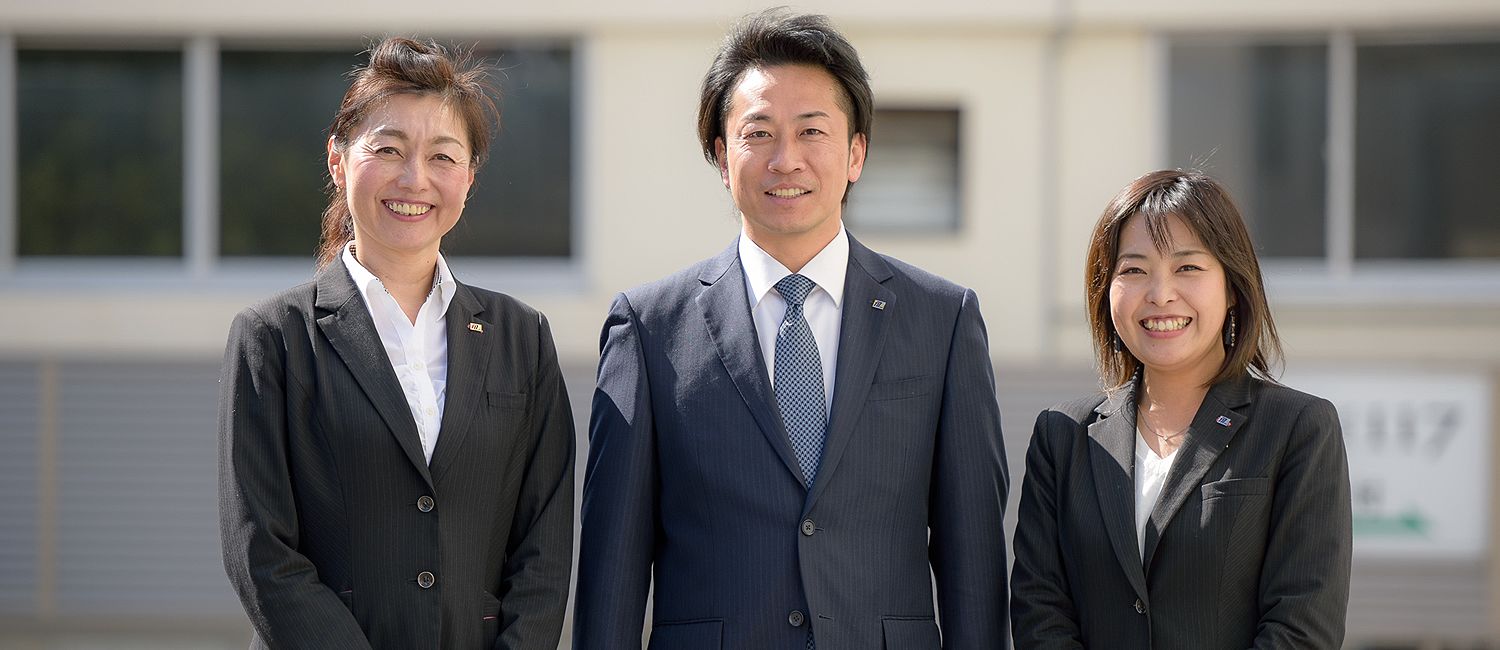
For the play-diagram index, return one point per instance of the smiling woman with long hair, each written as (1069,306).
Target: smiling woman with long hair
(396,447)
(1197,504)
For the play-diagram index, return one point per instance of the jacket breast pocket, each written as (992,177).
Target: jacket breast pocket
(1236,487)
(502,400)
(1230,508)
(900,388)
(913,633)
(705,634)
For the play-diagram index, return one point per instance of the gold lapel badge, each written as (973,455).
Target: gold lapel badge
(476,327)
(878,304)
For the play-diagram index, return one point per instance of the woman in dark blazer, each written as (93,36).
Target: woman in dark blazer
(396,453)
(1196,504)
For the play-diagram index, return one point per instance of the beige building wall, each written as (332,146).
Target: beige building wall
(1061,104)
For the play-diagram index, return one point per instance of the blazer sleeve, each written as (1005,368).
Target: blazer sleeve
(1041,607)
(619,517)
(539,558)
(278,586)
(1304,586)
(968,496)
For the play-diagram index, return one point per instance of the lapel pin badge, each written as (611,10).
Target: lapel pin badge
(1223,421)
(878,304)
(476,327)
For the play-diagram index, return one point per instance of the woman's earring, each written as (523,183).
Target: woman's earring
(1116,343)
(1231,327)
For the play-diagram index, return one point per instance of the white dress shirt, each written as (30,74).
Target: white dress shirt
(418,351)
(820,307)
(1150,477)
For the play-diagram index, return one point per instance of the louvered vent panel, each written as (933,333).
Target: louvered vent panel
(1400,600)
(19,422)
(137,505)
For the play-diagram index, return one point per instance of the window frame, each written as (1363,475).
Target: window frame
(1338,277)
(201,266)
(948,230)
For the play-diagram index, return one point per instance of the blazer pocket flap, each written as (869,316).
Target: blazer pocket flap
(914,633)
(703,633)
(506,400)
(1235,487)
(900,389)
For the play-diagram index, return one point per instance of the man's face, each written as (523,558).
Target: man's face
(786,155)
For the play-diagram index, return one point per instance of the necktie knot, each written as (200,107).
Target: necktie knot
(794,288)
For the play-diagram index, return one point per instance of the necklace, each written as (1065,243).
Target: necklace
(1164,438)
(437,278)
(1168,438)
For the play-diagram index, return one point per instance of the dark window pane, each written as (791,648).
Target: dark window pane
(522,202)
(275,109)
(1427,162)
(1255,117)
(910,182)
(100,152)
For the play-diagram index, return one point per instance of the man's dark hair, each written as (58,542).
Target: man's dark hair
(778,37)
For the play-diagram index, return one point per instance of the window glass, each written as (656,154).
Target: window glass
(99,152)
(275,108)
(1427,157)
(1255,117)
(522,201)
(910,182)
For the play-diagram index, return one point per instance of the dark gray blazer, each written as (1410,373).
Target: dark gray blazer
(691,478)
(329,513)
(1248,546)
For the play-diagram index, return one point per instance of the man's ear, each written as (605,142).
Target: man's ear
(335,163)
(723,160)
(857,147)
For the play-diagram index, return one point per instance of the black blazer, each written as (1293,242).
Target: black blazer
(1248,546)
(691,476)
(331,518)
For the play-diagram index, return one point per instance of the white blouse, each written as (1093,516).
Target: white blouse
(1150,476)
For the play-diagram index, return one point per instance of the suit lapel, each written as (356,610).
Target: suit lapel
(1112,457)
(468,365)
(861,341)
(726,309)
(1208,436)
(346,322)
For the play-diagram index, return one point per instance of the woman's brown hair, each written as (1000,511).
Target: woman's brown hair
(1206,208)
(402,66)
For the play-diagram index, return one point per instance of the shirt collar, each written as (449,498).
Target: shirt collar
(826,269)
(370,286)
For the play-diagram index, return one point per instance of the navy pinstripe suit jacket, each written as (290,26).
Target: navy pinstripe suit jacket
(691,479)
(1248,546)
(322,477)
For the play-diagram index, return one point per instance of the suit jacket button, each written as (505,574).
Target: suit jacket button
(425,579)
(795,618)
(425,503)
(808,528)
(1140,607)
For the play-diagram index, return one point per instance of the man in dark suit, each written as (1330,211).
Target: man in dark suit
(797,437)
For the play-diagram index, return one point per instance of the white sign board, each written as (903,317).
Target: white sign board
(1419,458)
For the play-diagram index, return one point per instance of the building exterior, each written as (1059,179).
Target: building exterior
(161,166)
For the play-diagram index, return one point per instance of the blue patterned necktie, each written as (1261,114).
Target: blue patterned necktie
(799,385)
(799,378)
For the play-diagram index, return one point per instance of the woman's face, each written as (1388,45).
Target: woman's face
(406,174)
(1169,307)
